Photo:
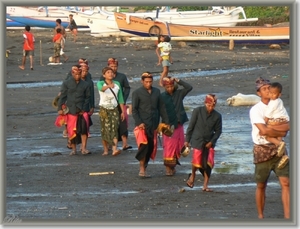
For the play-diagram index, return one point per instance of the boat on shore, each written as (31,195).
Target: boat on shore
(38,18)
(102,22)
(248,34)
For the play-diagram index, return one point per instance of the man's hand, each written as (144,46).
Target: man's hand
(208,145)
(91,111)
(142,126)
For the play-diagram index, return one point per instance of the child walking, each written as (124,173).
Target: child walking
(276,114)
(57,39)
(164,56)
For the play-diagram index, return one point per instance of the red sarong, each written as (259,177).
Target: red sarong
(72,123)
(197,158)
(61,120)
(141,138)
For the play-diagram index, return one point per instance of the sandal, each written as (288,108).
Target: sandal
(65,134)
(144,175)
(73,152)
(207,190)
(69,145)
(188,182)
(116,153)
(105,154)
(85,152)
(169,174)
(21,67)
(127,147)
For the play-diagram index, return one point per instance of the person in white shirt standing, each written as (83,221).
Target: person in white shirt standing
(265,156)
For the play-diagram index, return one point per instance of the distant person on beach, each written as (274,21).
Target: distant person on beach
(205,128)
(265,153)
(75,94)
(111,95)
(147,108)
(163,52)
(276,114)
(72,26)
(122,79)
(28,47)
(63,41)
(57,39)
(173,99)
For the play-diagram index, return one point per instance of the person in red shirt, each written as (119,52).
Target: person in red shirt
(28,47)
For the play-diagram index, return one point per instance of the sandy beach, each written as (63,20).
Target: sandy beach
(44,183)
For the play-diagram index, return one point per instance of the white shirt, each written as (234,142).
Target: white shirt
(165,48)
(275,109)
(257,114)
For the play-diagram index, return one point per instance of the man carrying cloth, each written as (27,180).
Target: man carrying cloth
(75,93)
(205,127)
(147,108)
(265,153)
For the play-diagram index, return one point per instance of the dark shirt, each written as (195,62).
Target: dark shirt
(174,104)
(147,108)
(122,79)
(72,25)
(75,95)
(204,127)
(89,80)
(92,93)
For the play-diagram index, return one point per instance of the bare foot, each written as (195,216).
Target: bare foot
(21,67)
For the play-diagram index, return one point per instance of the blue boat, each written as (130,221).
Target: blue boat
(44,22)
(10,23)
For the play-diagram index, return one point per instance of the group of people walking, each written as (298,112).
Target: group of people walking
(150,107)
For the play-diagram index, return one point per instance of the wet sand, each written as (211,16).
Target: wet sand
(45,183)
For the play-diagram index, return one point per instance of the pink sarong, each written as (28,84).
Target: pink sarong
(172,146)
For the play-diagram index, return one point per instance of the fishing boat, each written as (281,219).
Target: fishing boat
(38,18)
(253,34)
(202,17)
(102,22)
(14,24)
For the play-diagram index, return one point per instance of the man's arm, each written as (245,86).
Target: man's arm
(264,130)
(126,89)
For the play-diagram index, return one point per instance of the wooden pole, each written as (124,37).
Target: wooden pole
(41,57)
(231,44)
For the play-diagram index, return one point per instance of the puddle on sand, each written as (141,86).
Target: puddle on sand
(222,187)
(177,75)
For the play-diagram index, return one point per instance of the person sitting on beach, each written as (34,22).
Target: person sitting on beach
(57,45)
(75,94)
(164,56)
(276,114)
(205,128)
(72,26)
